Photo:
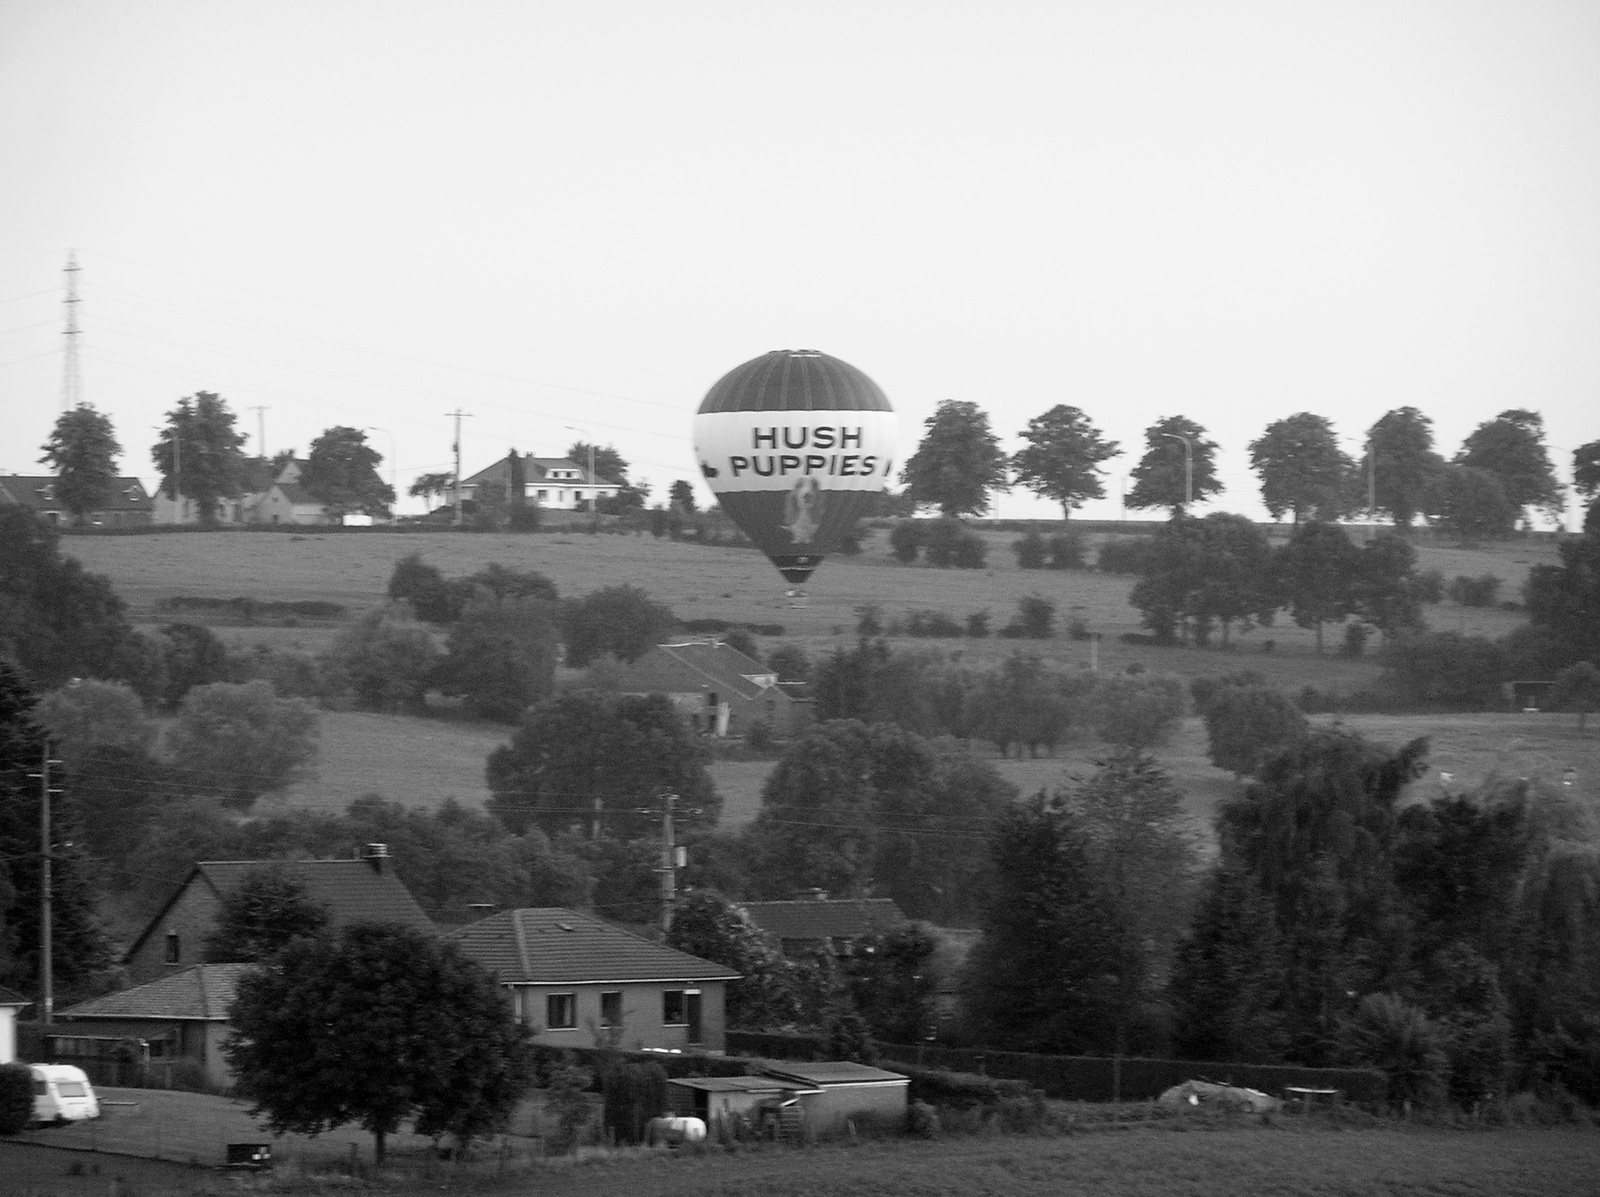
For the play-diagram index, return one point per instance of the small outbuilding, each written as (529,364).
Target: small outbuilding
(742,1105)
(10,1005)
(836,1094)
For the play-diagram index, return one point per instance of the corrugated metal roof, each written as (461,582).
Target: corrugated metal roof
(551,945)
(740,1084)
(698,665)
(203,992)
(834,1072)
(826,918)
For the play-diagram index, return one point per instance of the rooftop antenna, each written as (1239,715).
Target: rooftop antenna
(71,382)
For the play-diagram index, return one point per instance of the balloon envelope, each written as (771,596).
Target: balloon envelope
(795,444)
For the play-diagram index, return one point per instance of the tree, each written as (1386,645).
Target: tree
(1302,469)
(1511,447)
(342,473)
(265,912)
(1445,669)
(501,656)
(1586,476)
(621,620)
(57,621)
(1061,460)
(1043,976)
(198,454)
(242,741)
(1139,711)
(893,983)
(591,761)
(707,925)
(790,663)
(1402,462)
(1577,688)
(681,496)
(856,810)
(1245,724)
(1564,600)
(608,463)
(1200,572)
(958,462)
(380,1025)
(1399,1040)
(1019,703)
(1316,574)
(388,661)
(1227,975)
(1172,474)
(87,716)
(431,486)
(189,655)
(1470,503)
(1386,594)
(80,949)
(83,450)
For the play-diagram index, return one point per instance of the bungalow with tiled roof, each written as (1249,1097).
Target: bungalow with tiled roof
(717,688)
(554,483)
(361,890)
(181,1018)
(127,506)
(10,1003)
(580,982)
(834,924)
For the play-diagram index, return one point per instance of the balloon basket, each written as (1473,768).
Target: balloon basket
(796,599)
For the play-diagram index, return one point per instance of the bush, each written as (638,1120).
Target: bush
(923,1120)
(1123,555)
(1474,592)
(1401,1042)
(869,620)
(1067,550)
(1356,636)
(978,624)
(1030,551)
(932,625)
(1428,586)
(905,540)
(16,1098)
(758,736)
(1035,619)
(951,543)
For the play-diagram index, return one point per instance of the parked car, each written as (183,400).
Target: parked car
(62,1093)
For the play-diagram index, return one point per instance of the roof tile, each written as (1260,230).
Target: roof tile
(552,945)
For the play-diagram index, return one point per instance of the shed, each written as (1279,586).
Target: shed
(764,1105)
(836,1093)
(10,1004)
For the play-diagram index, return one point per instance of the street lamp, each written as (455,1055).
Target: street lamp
(594,507)
(1188,467)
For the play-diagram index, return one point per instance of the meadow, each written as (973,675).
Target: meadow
(423,761)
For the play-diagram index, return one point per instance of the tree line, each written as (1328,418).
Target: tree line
(1501,470)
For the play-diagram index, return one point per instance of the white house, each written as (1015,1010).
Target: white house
(551,482)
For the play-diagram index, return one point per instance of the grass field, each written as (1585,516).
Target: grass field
(1201,1158)
(739,585)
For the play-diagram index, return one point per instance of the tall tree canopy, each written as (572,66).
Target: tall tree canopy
(1316,574)
(1403,462)
(501,655)
(83,450)
(600,762)
(380,1025)
(1302,469)
(1511,447)
(861,810)
(958,462)
(57,620)
(431,486)
(242,741)
(1161,479)
(265,912)
(621,620)
(342,472)
(1061,460)
(707,925)
(608,463)
(1470,503)
(1586,475)
(198,454)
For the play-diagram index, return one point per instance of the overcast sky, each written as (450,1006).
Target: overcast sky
(582,214)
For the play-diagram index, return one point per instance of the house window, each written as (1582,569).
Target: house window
(560,1011)
(611,1008)
(674,1010)
(543,495)
(174,948)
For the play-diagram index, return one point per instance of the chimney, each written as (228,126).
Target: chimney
(375,855)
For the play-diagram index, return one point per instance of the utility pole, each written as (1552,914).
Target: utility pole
(458,413)
(261,431)
(46,979)
(71,382)
(669,862)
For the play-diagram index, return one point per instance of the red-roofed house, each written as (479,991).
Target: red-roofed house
(182,1017)
(580,982)
(717,688)
(363,890)
(831,923)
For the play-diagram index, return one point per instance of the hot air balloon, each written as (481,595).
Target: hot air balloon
(795,444)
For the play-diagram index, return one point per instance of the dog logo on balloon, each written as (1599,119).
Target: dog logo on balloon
(802,510)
